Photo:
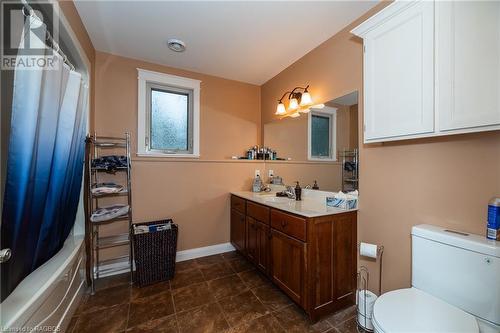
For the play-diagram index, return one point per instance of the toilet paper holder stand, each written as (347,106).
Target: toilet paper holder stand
(363,278)
(380,253)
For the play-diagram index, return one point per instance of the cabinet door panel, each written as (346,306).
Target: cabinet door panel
(344,256)
(262,255)
(399,74)
(238,230)
(287,264)
(258,243)
(468,63)
(252,247)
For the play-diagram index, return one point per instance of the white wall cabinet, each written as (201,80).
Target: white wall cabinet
(431,68)
(468,64)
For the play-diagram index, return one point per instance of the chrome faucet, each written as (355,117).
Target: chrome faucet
(290,192)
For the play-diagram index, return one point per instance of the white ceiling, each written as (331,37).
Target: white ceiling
(249,41)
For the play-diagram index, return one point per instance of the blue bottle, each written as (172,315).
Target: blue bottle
(493,227)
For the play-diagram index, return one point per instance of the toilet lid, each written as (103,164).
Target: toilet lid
(412,310)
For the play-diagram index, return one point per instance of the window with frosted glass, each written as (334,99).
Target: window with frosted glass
(169,119)
(320,136)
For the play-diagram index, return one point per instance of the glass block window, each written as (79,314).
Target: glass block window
(169,119)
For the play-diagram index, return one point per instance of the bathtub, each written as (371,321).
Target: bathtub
(47,298)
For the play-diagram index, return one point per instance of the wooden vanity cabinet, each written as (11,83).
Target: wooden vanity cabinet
(238,223)
(312,260)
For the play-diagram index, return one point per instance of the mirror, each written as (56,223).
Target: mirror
(320,145)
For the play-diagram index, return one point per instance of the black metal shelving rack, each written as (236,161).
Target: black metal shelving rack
(95,242)
(350,179)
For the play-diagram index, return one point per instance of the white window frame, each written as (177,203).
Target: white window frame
(331,113)
(144,77)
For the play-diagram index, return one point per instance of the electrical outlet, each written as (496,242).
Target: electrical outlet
(270,173)
(257,172)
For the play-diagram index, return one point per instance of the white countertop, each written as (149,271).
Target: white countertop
(313,203)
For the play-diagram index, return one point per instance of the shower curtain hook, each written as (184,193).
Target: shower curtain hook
(24,11)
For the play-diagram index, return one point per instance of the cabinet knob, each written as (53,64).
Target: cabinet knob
(284,224)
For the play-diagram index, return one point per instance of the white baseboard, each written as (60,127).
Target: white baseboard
(122,266)
(204,251)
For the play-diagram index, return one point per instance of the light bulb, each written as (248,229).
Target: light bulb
(305,99)
(293,105)
(280,109)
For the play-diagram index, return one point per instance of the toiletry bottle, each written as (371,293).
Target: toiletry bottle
(250,154)
(298,192)
(315,186)
(493,226)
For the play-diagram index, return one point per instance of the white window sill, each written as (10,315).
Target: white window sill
(168,155)
(322,159)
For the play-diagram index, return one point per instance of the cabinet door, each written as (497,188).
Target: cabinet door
(258,243)
(262,256)
(333,258)
(287,264)
(251,239)
(238,230)
(468,64)
(399,74)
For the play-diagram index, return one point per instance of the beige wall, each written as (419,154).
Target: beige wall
(194,193)
(445,181)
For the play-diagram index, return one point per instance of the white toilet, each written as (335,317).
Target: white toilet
(455,286)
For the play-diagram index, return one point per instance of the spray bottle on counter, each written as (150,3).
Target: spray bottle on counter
(493,227)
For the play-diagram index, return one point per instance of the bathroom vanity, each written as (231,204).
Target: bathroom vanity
(306,248)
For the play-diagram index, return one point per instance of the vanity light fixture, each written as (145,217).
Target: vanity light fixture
(299,100)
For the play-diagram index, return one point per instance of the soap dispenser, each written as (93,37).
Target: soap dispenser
(315,186)
(298,192)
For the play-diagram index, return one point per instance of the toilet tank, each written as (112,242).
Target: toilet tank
(461,269)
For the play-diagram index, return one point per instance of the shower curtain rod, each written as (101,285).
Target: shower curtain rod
(29,12)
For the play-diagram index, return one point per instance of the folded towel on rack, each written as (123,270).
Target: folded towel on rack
(349,166)
(106,188)
(110,163)
(143,229)
(109,212)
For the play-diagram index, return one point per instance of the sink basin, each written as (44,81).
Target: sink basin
(276,199)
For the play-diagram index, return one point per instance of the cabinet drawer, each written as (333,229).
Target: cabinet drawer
(258,212)
(288,224)
(238,203)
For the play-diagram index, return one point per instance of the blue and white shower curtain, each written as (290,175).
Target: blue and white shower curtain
(44,168)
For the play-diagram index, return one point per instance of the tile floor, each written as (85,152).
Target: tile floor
(220,293)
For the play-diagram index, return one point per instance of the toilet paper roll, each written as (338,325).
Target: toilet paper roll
(368,250)
(365,301)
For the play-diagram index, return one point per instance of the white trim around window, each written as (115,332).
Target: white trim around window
(331,113)
(146,77)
